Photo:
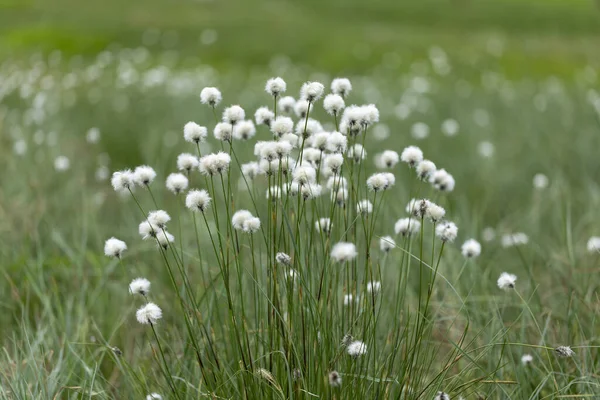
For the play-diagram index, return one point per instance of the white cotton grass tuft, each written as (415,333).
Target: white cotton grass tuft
(337,142)
(150,313)
(210,96)
(356,349)
(323,225)
(335,379)
(386,243)
(239,218)
(144,175)
(434,213)
(233,114)
(446,231)
(251,170)
(215,163)
(147,230)
(244,130)
(114,247)
(283,259)
(251,225)
(264,116)
(412,155)
(471,249)
(139,286)
(488,234)
(341,86)
(187,162)
(343,252)
(441,396)
(564,351)
(223,131)
(333,104)
(387,159)
(159,218)
(197,200)
(282,126)
(122,181)
(177,183)
(380,181)
(332,164)
(286,104)
(163,238)
(442,180)
(425,169)
(194,133)
(275,86)
(364,207)
(154,396)
(373,287)
(311,91)
(526,359)
(407,226)
(514,239)
(304,175)
(356,153)
(540,181)
(507,281)
(62,163)
(593,244)
(349,299)
(301,108)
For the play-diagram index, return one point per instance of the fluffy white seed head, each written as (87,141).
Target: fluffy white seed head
(507,281)
(526,359)
(154,396)
(378,182)
(308,127)
(150,313)
(312,156)
(139,286)
(177,183)
(471,249)
(341,86)
(442,180)
(564,351)
(114,247)
(514,239)
(223,131)
(593,244)
(425,169)
(371,115)
(144,175)
(244,130)
(187,162)
(286,104)
(164,238)
(311,91)
(319,141)
(407,226)
(446,231)
(310,191)
(373,287)
(332,164)
(304,175)
(211,96)
(215,163)
(251,225)
(488,234)
(339,196)
(264,116)
(283,258)
(333,104)
(412,155)
(233,114)
(356,153)
(323,225)
(343,252)
(274,193)
(434,213)
(159,218)
(356,348)
(275,86)
(239,218)
(194,133)
(364,207)
(336,142)
(122,181)
(250,170)
(147,230)
(387,159)
(197,200)
(348,299)
(335,379)
(301,108)
(441,396)
(386,243)
(282,126)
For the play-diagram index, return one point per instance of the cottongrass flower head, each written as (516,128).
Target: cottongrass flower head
(163,238)
(114,247)
(434,213)
(333,104)
(373,287)
(341,86)
(286,104)
(150,313)
(275,86)
(301,108)
(62,163)
(194,133)
(425,169)
(233,114)
(441,396)
(471,249)
(251,225)
(215,163)
(223,131)
(318,141)
(349,299)
(282,126)
(386,243)
(139,286)
(283,259)
(337,142)
(239,218)
(387,159)
(412,155)
(177,183)
(488,234)
(442,180)
(514,239)
(364,207)
(197,200)
(154,396)
(379,181)
(343,252)
(144,175)
(356,349)
(211,96)
(507,281)
(311,91)
(356,153)
(244,130)
(339,196)
(335,379)
(593,244)
(526,359)
(323,225)
(446,231)
(251,170)
(332,164)
(122,181)
(264,116)
(407,226)
(304,175)
(187,162)
(310,191)
(159,218)
(147,230)
(564,351)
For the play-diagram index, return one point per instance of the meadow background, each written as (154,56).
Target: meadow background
(519,76)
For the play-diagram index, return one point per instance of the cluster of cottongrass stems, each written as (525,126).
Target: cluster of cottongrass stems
(295,285)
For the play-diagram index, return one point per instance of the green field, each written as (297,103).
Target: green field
(521,81)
